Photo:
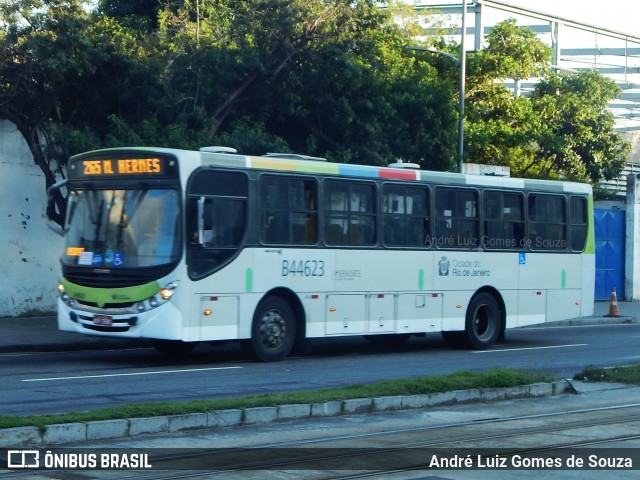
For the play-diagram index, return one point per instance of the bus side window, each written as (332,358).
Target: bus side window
(578,223)
(547,222)
(457,217)
(333,235)
(288,211)
(216,219)
(405,219)
(503,220)
(349,211)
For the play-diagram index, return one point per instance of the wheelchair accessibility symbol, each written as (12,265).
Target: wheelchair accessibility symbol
(118,259)
(522,258)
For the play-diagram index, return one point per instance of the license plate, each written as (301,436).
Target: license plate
(104,320)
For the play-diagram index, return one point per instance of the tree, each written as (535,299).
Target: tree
(357,97)
(577,139)
(42,51)
(562,130)
(66,77)
(326,78)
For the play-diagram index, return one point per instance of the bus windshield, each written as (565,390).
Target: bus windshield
(122,228)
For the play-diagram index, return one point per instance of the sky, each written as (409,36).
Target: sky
(619,15)
(598,50)
(622,16)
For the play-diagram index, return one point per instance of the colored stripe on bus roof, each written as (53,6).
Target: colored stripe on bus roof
(358,171)
(398,173)
(272,163)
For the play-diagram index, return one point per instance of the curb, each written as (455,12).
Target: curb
(623,319)
(130,427)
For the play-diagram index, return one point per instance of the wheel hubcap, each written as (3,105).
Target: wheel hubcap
(482,322)
(273,330)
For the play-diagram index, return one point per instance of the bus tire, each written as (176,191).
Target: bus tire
(273,331)
(173,348)
(482,325)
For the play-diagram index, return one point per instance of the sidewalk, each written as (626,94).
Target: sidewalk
(40,334)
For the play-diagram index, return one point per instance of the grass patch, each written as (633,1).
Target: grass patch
(630,374)
(412,386)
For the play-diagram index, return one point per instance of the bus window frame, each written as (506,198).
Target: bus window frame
(570,224)
(190,226)
(445,245)
(531,244)
(375,215)
(427,188)
(522,246)
(259,210)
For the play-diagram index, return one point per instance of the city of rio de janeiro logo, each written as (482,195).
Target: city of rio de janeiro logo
(443,267)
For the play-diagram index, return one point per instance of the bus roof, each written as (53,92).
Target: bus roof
(390,173)
(310,165)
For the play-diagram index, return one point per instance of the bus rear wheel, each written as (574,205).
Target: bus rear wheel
(482,326)
(273,331)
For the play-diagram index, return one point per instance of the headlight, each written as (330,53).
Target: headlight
(60,288)
(163,295)
(167,291)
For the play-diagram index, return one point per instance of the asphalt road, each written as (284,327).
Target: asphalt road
(54,382)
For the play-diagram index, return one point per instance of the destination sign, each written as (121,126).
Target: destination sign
(124,167)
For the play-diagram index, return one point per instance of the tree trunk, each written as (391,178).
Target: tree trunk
(57,202)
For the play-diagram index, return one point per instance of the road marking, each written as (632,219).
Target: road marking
(127,374)
(530,348)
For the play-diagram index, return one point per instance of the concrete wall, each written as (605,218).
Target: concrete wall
(632,248)
(29,259)
(634,139)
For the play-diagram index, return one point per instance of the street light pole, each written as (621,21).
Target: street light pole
(463,62)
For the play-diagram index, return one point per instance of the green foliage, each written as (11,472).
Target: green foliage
(512,52)
(413,386)
(628,374)
(561,131)
(578,140)
(324,77)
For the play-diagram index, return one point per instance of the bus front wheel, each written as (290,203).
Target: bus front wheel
(273,331)
(482,326)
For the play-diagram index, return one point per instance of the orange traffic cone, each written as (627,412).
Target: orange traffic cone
(613,306)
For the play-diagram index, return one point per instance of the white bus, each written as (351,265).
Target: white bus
(184,247)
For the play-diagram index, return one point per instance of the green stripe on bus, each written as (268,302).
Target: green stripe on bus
(563,279)
(114,296)
(248,280)
(590,247)
(420,279)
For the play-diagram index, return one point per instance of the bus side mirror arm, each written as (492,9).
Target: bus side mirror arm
(52,225)
(55,186)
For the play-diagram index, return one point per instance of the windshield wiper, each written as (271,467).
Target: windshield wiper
(95,212)
(130,208)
